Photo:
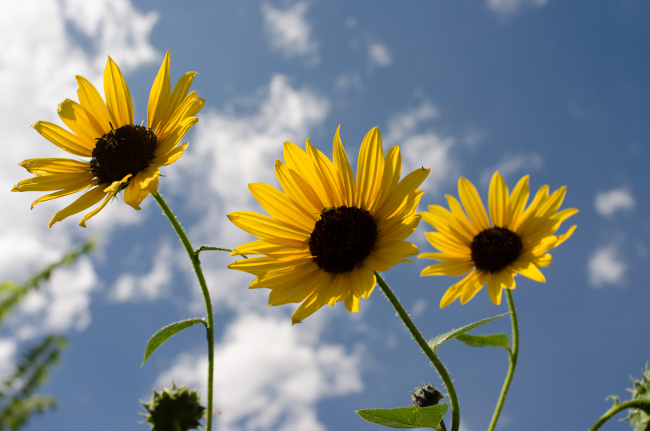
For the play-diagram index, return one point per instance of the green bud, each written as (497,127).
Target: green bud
(638,418)
(426,396)
(175,409)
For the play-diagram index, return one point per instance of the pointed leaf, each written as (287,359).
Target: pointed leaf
(494,340)
(166,333)
(436,341)
(406,417)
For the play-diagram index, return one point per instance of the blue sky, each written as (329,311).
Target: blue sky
(558,90)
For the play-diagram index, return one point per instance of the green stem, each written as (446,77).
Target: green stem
(514,352)
(442,371)
(209,247)
(206,295)
(642,404)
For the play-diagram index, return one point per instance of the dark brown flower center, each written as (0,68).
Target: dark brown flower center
(127,150)
(495,248)
(342,238)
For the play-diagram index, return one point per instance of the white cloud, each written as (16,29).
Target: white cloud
(270,375)
(422,148)
(60,304)
(419,307)
(290,32)
(608,203)
(380,55)
(7,352)
(347,82)
(151,286)
(511,164)
(507,8)
(606,266)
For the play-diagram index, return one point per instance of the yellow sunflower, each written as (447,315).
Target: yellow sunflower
(516,242)
(123,156)
(327,234)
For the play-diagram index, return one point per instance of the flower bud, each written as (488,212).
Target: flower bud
(175,408)
(426,396)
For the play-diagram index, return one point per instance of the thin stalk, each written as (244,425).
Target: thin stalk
(641,404)
(442,371)
(514,352)
(206,296)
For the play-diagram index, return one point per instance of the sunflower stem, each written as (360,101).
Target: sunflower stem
(211,248)
(616,408)
(514,352)
(194,258)
(442,371)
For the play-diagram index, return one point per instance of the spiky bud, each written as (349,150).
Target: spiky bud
(174,409)
(425,396)
(638,418)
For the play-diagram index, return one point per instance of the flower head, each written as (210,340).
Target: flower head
(516,242)
(123,156)
(327,233)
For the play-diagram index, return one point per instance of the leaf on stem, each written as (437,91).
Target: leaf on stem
(166,333)
(406,417)
(436,341)
(493,340)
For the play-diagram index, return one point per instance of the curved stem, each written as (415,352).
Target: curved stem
(642,404)
(206,295)
(442,371)
(514,352)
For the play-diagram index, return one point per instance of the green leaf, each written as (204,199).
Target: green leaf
(406,417)
(436,341)
(494,340)
(166,333)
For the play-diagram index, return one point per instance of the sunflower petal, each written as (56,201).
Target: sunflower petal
(370,167)
(94,212)
(345,171)
(118,97)
(498,201)
(472,203)
(48,166)
(90,99)
(159,96)
(86,200)
(454,269)
(278,205)
(63,139)
(455,290)
(264,227)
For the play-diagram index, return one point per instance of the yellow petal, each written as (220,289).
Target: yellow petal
(448,244)
(331,179)
(48,183)
(90,99)
(296,287)
(190,107)
(80,121)
(454,269)
(298,162)
(118,97)
(370,167)
(278,205)
(63,139)
(133,194)
(495,288)
(345,171)
(59,194)
(312,304)
(264,227)
(46,166)
(399,230)
(179,95)
(517,203)
(261,265)
(279,252)
(401,192)
(363,281)
(389,253)
(94,212)
(170,157)
(159,96)
(86,200)
(498,201)
(529,270)
(455,290)
(472,288)
(390,177)
(463,224)
(169,142)
(298,191)
(473,204)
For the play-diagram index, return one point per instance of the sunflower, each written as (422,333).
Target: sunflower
(327,234)
(123,156)
(516,242)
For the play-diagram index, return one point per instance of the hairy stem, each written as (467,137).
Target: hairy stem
(641,404)
(194,258)
(442,371)
(514,352)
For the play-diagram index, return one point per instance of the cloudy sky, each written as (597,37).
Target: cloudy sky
(558,90)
